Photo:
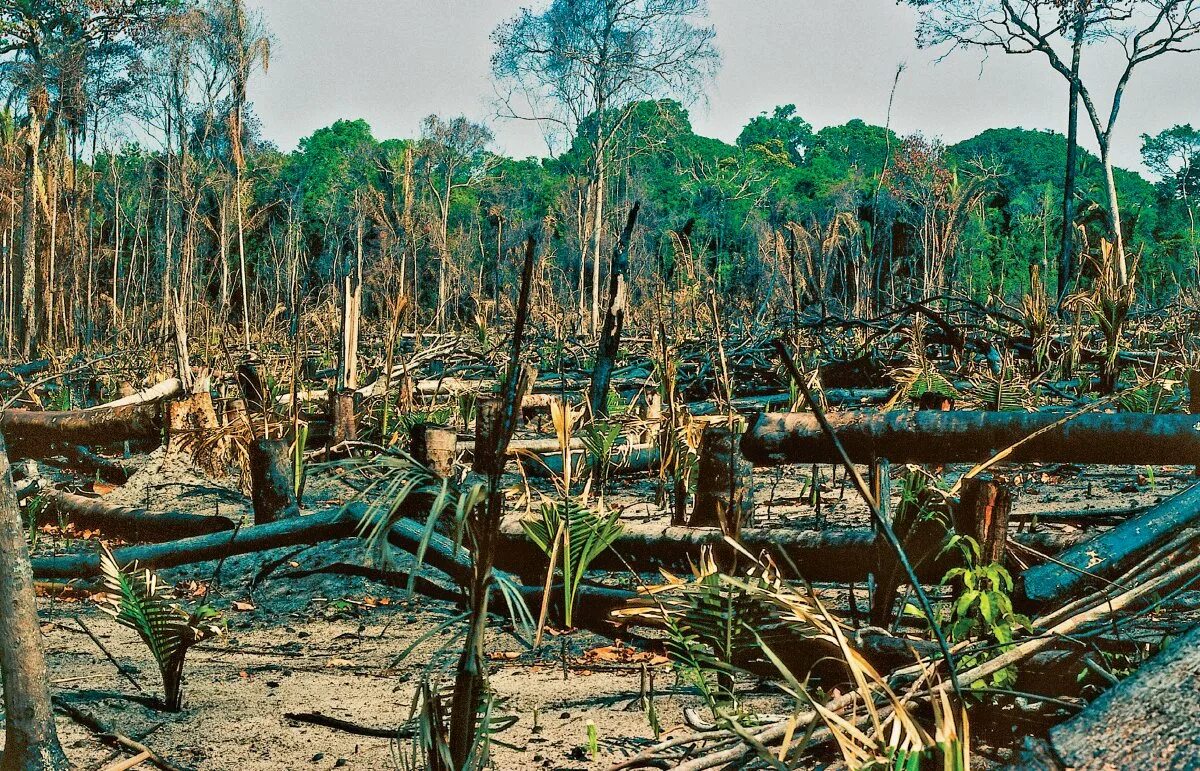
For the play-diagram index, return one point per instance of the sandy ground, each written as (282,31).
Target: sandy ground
(331,644)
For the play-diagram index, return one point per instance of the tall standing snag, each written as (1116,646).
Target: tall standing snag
(614,320)
(30,739)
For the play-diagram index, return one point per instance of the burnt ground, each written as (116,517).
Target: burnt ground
(332,643)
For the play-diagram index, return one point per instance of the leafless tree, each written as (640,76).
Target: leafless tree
(1141,29)
(577,67)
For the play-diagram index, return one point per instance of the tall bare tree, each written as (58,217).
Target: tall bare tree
(577,66)
(1141,30)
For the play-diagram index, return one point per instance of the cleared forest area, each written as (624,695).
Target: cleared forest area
(826,448)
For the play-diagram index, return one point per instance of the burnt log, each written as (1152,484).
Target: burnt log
(1088,564)
(960,436)
(129,523)
(36,434)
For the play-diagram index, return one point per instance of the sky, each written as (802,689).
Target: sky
(392,62)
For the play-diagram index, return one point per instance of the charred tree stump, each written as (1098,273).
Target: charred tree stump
(614,320)
(272,489)
(724,482)
(922,537)
(434,446)
(189,419)
(345,421)
(488,413)
(30,740)
(982,513)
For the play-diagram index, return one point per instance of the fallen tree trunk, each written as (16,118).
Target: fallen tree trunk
(1088,564)
(1146,721)
(34,434)
(928,436)
(838,555)
(327,525)
(130,523)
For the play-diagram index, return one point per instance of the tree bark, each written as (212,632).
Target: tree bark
(127,522)
(434,447)
(33,434)
(28,319)
(1066,260)
(961,436)
(724,483)
(31,741)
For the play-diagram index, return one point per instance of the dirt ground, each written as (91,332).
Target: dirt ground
(332,644)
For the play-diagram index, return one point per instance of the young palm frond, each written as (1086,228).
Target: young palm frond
(579,534)
(137,600)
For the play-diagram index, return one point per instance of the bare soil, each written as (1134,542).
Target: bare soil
(332,644)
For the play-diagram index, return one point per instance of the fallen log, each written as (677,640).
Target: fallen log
(1146,721)
(130,523)
(1088,564)
(327,525)
(829,555)
(34,434)
(167,389)
(930,436)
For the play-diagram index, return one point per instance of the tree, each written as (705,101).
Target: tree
(580,65)
(1142,29)
(455,151)
(30,738)
(1174,155)
(782,131)
(48,45)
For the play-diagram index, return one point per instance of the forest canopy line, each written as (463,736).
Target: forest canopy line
(206,216)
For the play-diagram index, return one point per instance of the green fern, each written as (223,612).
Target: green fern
(137,600)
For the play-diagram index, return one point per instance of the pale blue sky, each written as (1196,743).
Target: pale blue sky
(393,62)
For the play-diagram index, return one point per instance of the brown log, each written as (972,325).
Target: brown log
(831,555)
(34,434)
(1147,721)
(272,489)
(724,482)
(961,436)
(129,523)
(434,446)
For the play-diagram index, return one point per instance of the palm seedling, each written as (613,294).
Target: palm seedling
(138,600)
(576,534)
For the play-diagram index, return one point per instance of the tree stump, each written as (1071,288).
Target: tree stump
(487,424)
(434,446)
(272,489)
(188,421)
(725,482)
(345,423)
(982,513)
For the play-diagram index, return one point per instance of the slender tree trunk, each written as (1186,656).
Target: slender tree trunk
(1066,260)
(597,237)
(27,315)
(1114,205)
(30,741)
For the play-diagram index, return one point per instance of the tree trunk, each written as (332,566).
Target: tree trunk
(31,741)
(1066,260)
(1114,206)
(614,320)
(724,483)
(273,492)
(27,275)
(33,434)
(434,447)
(962,436)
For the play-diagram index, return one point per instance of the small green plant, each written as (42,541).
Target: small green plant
(137,600)
(593,738)
(983,607)
(579,534)
(599,439)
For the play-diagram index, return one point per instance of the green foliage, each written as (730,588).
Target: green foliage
(137,600)
(578,534)
(983,607)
